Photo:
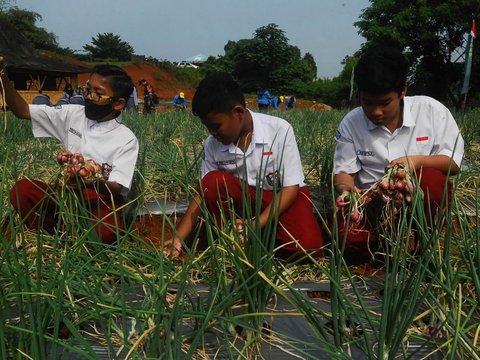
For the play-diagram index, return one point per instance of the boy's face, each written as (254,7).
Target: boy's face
(226,127)
(100,101)
(383,109)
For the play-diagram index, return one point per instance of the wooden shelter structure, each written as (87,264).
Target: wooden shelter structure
(32,72)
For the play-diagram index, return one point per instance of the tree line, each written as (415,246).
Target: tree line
(432,35)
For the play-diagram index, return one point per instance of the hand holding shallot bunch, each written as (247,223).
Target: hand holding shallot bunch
(352,205)
(396,188)
(76,169)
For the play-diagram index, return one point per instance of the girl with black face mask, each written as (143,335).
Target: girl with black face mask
(98,112)
(108,143)
(99,107)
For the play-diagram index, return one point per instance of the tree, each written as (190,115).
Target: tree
(431,32)
(109,46)
(308,58)
(24,22)
(267,61)
(4,4)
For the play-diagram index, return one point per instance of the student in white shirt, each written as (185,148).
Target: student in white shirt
(246,149)
(94,130)
(391,128)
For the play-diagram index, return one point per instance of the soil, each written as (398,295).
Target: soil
(154,228)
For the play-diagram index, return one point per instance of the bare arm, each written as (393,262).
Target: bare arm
(344,182)
(15,102)
(184,228)
(443,163)
(283,200)
(109,187)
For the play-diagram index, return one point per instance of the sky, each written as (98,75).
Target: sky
(175,30)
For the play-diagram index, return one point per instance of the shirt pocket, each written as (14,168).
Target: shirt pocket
(423,146)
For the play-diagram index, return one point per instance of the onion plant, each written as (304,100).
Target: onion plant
(67,293)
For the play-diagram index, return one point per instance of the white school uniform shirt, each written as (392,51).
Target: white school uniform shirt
(272,159)
(110,143)
(365,149)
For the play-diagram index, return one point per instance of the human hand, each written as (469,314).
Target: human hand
(241,230)
(412,163)
(172,248)
(75,168)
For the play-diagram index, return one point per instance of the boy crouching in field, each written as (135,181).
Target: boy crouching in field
(95,131)
(388,129)
(245,149)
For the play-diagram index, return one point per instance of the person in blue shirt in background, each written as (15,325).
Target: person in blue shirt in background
(179,102)
(276,102)
(289,102)
(264,98)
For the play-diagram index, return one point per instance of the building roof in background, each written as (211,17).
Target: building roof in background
(20,56)
(196,59)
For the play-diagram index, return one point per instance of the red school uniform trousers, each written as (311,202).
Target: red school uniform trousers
(31,199)
(360,244)
(297,222)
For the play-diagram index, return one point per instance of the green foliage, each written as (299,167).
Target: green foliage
(215,64)
(109,46)
(308,58)
(129,300)
(24,22)
(265,61)
(182,74)
(432,34)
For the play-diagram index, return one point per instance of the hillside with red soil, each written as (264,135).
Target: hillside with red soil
(165,84)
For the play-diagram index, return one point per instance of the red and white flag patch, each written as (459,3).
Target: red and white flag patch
(422,138)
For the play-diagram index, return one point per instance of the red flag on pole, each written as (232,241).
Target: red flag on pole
(473,32)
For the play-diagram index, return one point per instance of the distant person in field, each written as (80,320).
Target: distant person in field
(264,98)
(42,99)
(391,128)
(132,102)
(249,155)
(147,87)
(276,102)
(290,102)
(94,130)
(68,91)
(179,101)
(150,98)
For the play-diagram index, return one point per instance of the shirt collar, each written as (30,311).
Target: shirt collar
(105,125)
(260,135)
(408,119)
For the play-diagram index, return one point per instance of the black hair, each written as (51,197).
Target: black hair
(217,93)
(120,82)
(381,70)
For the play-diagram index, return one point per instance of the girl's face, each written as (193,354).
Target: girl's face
(384,109)
(227,128)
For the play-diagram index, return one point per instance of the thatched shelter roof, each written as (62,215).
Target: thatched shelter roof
(21,57)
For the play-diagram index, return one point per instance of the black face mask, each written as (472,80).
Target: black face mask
(99,112)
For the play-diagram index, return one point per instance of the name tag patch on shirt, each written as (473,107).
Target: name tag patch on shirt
(365,153)
(225,162)
(75,132)
(422,138)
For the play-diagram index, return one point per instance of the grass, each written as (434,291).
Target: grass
(67,292)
